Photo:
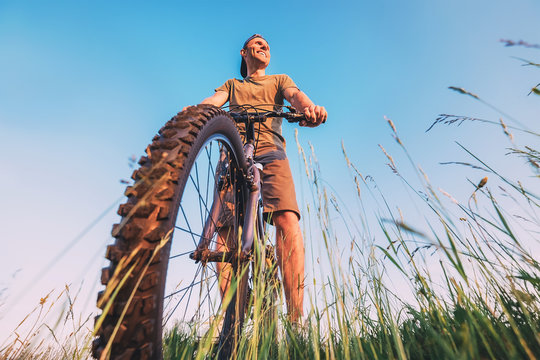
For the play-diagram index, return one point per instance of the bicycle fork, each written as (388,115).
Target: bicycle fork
(203,252)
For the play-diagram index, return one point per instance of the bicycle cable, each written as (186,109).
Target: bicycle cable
(257,109)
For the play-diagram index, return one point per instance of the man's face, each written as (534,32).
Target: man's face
(257,52)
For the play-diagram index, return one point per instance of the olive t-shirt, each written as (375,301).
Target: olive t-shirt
(260,92)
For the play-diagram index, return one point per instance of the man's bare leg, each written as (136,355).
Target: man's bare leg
(223,268)
(290,253)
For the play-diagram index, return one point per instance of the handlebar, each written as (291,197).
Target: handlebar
(291,117)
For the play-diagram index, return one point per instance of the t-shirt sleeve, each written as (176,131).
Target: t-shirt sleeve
(225,87)
(286,82)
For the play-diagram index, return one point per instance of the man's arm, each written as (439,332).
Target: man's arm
(315,115)
(218,99)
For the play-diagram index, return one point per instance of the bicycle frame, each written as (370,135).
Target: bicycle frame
(253,212)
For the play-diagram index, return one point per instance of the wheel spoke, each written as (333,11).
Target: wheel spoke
(186,290)
(198,187)
(179,255)
(209,170)
(187,287)
(201,200)
(187,231)
(189,226)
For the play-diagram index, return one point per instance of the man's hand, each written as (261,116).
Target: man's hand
(315,116)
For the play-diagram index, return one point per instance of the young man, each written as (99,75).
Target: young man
(279,199)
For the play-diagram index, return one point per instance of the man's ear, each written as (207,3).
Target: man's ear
(243,52)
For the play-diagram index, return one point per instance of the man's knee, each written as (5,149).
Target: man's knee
(285,218)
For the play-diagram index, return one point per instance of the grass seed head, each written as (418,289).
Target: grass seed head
(391,123)
(392,163)
(505,129)
(482,183)
(463,91)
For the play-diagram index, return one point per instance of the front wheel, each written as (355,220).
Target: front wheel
(152,284)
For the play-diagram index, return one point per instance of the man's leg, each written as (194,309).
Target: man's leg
(290,253)
(224,269)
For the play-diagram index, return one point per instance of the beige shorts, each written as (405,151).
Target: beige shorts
(278,192)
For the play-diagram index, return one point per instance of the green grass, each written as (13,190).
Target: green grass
(484,304)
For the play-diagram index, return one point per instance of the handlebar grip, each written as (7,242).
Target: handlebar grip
(295,117)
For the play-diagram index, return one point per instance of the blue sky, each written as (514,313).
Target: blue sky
(85,85)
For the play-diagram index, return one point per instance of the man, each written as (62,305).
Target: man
(278,193)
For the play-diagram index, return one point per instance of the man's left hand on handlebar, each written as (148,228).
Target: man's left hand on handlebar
(315,115)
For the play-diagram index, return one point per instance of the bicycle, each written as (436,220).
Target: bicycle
(195,168)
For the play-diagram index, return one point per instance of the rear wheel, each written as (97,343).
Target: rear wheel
(152,284)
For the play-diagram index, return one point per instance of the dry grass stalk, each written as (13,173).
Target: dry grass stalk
(449,196)
(58,341)
(463,91)
(393,127)
(505,129)
(508,42)
(392,164)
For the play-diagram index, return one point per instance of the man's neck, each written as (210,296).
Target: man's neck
(257,73)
